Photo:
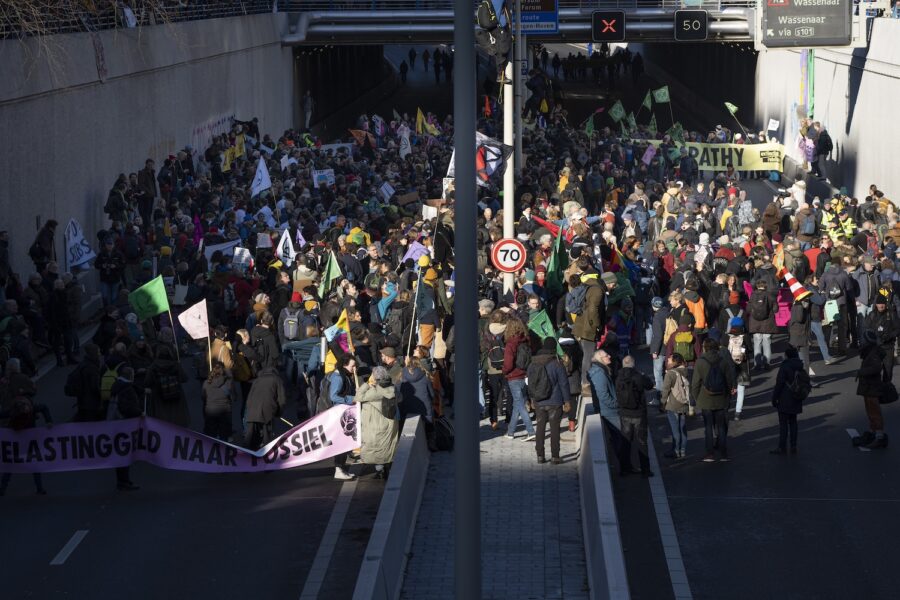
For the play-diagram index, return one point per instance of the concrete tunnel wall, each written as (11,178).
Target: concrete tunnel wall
(68,131)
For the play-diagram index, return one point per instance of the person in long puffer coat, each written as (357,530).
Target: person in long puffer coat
(377,399)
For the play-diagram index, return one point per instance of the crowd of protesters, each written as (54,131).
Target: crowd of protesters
(627,261)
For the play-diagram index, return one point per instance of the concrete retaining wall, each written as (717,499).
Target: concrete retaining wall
(381,574)
(854,95)
(602,543)
(102,104)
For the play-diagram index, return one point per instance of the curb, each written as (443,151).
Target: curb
(384,562)
(605,558)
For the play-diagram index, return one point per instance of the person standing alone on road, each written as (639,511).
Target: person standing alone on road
(630,387)
(412,59)
(871,377)
(792,386)
(712,385)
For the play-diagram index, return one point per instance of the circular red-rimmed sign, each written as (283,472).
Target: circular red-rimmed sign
(508,255)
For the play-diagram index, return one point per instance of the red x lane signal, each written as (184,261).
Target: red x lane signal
(608,26)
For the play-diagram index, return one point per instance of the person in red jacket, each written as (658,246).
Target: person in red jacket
(516,356)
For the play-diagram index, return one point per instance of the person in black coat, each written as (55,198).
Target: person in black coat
(786,400)
(884,324)
(125,403)
(630,387)
(266,351)
(871,383)
(761,308)
(265,402)
(216,398)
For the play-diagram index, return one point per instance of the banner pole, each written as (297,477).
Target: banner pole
(209,352)
(412,329)
(671,114)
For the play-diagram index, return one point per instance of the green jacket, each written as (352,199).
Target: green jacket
(704,399)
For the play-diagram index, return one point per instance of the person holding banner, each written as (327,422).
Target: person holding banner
(339,387)
(265,403)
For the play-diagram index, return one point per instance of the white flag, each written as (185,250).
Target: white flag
(195,321)
(774,124)
(78,251)
(285,250)
(261,181)
(300,239)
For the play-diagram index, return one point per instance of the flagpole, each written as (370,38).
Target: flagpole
(734,116)
(172,322)
(209,351)
(671,114)
(412,329)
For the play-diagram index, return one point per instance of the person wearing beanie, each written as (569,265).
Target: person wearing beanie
(883,322)
(792,386)
(291,324)
(548,390)
(380,429)
(661,311)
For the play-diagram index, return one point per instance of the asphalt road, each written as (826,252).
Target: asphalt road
(182,534)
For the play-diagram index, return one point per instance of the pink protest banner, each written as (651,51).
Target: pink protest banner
(109,444)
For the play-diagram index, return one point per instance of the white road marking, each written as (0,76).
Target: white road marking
(319,567)
(69,548)
(854,433)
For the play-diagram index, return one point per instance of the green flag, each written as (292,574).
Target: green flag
(617,112)
(661,96)
(676,132)
(632,123)
(150,299)
(557,263)
(674,154)
(589,127)
(539,323)
(332,272)
(648,103)
(731,108)
(652,126)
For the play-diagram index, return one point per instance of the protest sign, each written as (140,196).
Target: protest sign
(744,157)
(78,251)
(263,240)
(111,444)
(225,248)
(773,125)
(387,190)
(429,212)
(242,258)
(648,155)
(325,176)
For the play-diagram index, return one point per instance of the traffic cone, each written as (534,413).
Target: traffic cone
(795,286)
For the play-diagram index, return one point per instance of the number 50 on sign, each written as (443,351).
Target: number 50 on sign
(508,255)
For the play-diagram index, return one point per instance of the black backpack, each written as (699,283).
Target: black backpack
(759,308)
(169,387)
(538,382)
(627,393)
(496,352)
(523,356)
(715,382)
(324,402)
(393,322)
(800,385)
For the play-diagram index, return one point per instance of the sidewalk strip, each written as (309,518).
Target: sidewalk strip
(69,548)
(677,574)
(319,568)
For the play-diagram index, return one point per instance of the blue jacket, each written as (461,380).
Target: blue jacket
(603,390)
(336,388)
(658,330)
(415,394)
(559,379)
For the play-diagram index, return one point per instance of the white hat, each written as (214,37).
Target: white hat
(704,239)
(737,136)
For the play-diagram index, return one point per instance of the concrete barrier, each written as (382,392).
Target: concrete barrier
(605,558)
(381,574)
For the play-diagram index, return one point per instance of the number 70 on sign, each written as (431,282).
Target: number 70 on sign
(508,255)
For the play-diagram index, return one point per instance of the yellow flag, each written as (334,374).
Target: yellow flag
(167,229)
(229,158)
(343,323)
(239,146)
(420,121)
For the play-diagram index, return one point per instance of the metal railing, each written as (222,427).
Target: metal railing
(71,17)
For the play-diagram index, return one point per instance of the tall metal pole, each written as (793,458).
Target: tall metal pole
(521,54)
(467,530)
(509,181)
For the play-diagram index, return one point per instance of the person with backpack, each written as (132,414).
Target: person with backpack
(837,287)
(492,349)
(762,307)
(125,403)
(871,386)
(631,385)
(165,378)
(792,387)
(712,384)
(377,401)
(805,226)
(588,324)
(22,414)
(289,326)
(548,391)
(266,351)
(676,399)
(516,358)
(867,286)
(683,341)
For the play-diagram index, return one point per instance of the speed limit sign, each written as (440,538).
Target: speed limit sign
(508,255)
